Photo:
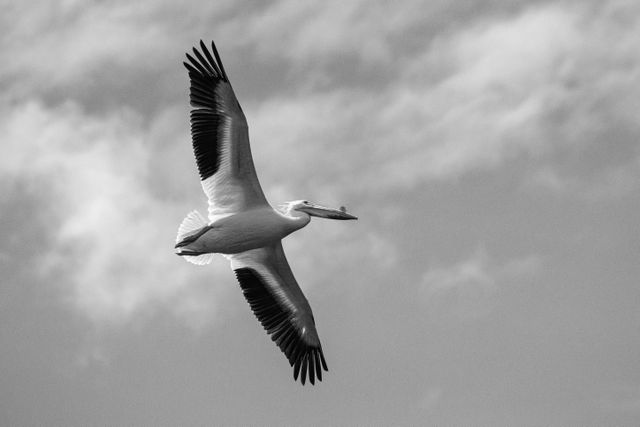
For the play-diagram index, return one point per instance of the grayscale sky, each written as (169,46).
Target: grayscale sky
(491,150)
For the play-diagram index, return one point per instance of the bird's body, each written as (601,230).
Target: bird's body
(245,230)
(241,224)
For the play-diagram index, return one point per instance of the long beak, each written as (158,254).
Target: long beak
(324,212)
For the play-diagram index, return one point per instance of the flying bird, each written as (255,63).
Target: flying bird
(241,224)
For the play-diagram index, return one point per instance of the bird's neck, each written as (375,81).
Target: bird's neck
(296,219)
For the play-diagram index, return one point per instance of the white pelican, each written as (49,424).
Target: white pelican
(242,225)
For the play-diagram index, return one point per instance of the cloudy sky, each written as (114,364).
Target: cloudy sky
(491,150)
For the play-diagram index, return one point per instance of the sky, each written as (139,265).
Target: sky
(491,151)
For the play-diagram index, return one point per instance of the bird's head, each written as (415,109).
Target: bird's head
(313,209)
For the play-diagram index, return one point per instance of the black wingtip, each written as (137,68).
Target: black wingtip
(296,369)
(215,52)
(324,362)
(305,358)
(216,64)
(189,68)
(308,364)
(312,366)
(204,63)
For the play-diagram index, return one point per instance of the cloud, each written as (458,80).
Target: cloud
(78,39)
(111,237)
(469,288)
(325,32)
(507,83)
(538,86)
(101,54)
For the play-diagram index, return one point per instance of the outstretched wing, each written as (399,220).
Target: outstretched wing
(220,138)
(277,301)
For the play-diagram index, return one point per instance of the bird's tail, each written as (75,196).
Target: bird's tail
(189,231)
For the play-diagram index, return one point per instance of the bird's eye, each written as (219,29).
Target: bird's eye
(305,202)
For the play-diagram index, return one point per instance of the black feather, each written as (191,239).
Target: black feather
(215,52)
(312,366)
(208,121)
(317,363)
(210,59)
(296,369)
(303,375)
(278,321)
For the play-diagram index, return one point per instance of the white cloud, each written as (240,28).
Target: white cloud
(541,84)
(112,237)
(71,44)
(468,289)
(315,33)
(500,83)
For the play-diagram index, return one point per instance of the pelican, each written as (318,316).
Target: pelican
(241,224)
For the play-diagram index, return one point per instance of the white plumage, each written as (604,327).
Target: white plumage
(241,224)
